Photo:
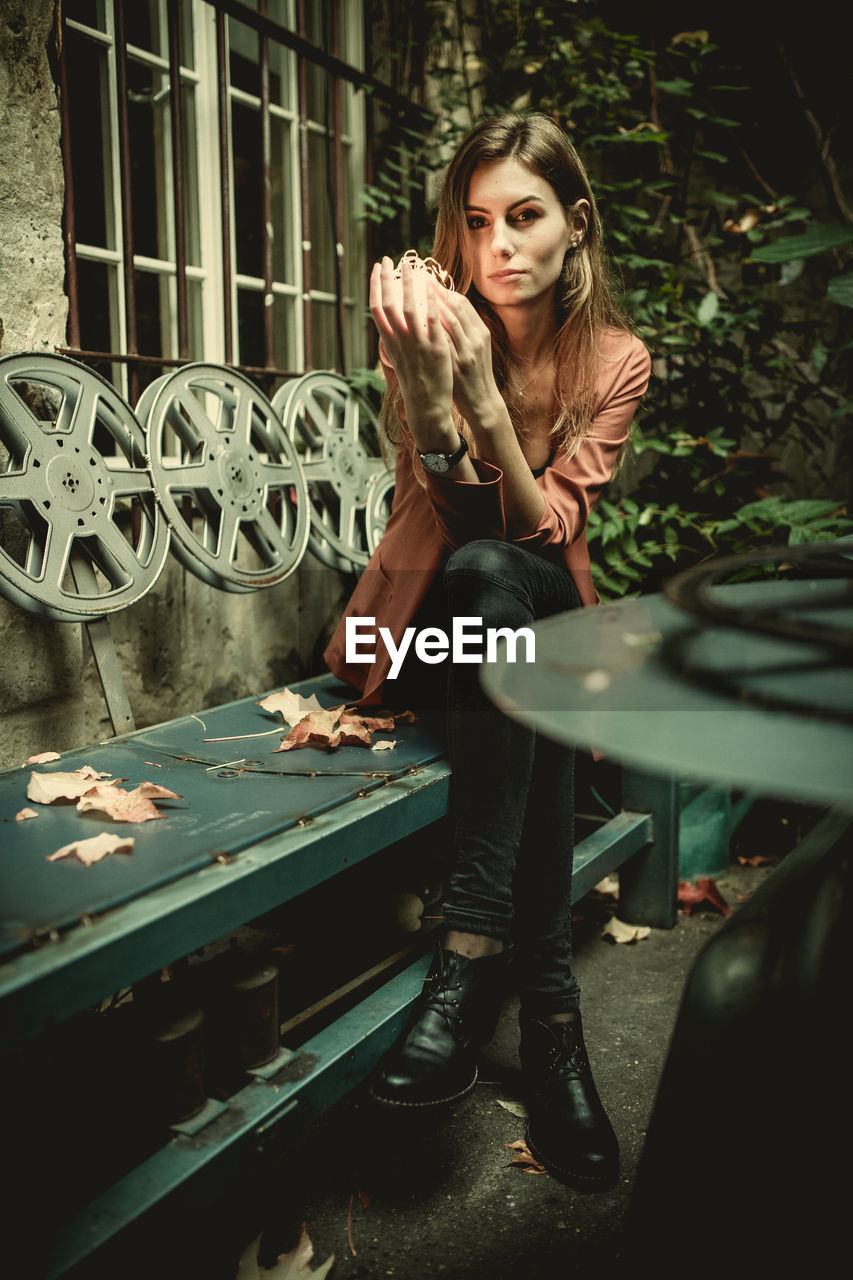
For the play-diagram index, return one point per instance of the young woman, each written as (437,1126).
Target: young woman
(508,403)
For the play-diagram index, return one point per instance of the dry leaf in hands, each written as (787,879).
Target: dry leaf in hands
(126,806)
(44,788)
(618,931)
(289,1266)
(291,706)
(94,848)
(526,1161)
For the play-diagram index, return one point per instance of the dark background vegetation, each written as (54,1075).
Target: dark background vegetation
(718,140)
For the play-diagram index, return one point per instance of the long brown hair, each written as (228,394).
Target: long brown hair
(584,299)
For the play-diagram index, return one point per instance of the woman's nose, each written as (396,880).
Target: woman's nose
(502,239)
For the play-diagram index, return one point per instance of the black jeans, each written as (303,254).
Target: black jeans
(512,793)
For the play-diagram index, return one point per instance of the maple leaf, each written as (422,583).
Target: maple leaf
(619,931)
(44,788)
(42,758)
(94,848)
(288,1266)
(292,706)
(525,1159)
(373,723)
(703,893)
(126,806)
(317,729)
(352,733)
(23,814)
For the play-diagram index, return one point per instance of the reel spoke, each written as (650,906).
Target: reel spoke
(74,488)
(228,478)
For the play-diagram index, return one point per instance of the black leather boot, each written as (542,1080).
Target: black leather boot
(568,1130)
(435,1061)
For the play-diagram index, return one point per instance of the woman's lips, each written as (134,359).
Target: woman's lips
(508,274)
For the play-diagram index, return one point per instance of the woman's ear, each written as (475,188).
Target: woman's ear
(578,214)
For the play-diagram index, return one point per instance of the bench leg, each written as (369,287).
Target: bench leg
(648,882)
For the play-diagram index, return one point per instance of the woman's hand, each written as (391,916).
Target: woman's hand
(475,392)
(418,351)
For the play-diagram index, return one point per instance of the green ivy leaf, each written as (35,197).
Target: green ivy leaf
(840,290)
(817,239)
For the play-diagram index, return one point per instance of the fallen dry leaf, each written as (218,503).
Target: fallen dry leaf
(41,758)
(352,733)
(291,706)
(619,931)
(373,723)
(757,860)
(94,848)
(384,744)
(525,1159)
(288,1266)
(126,806)
(701,894)
(609,886)
(317,729)
(312,725)
(23,814)
(514,1108)
(44,788)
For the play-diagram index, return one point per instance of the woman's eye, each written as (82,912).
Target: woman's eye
(526,215)
(474,223)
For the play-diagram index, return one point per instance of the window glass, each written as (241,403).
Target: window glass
(88,99)
(147,114)
(283,211)
(323,239)
(142,26)
(247,183)
(152,313)
(285,332)
(191,176)
(97,284)
(250,326)
(324,335)
(90,12)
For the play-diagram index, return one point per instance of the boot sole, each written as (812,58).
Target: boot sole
(433,1102)
(577,1181)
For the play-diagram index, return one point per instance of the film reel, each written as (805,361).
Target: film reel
(81,535)
(334,433)
(227,477)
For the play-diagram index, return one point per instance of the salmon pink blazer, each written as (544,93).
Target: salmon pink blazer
(433,515)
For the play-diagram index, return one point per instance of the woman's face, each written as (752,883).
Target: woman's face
(518,233)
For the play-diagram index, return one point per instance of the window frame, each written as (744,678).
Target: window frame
(215,274)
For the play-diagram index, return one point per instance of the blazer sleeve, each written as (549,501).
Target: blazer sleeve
(571,486)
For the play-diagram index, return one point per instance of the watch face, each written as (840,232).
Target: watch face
(435,462)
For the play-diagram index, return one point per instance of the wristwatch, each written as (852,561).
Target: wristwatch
(437,464)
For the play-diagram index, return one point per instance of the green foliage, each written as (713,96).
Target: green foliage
(742,294)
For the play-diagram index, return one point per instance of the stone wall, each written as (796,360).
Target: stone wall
(185,645)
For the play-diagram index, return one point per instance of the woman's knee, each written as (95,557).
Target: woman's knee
(483,558)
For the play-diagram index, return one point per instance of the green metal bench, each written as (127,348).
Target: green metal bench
(242,840)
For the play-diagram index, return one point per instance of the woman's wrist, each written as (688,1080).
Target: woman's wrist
(433,432)
(489,416)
